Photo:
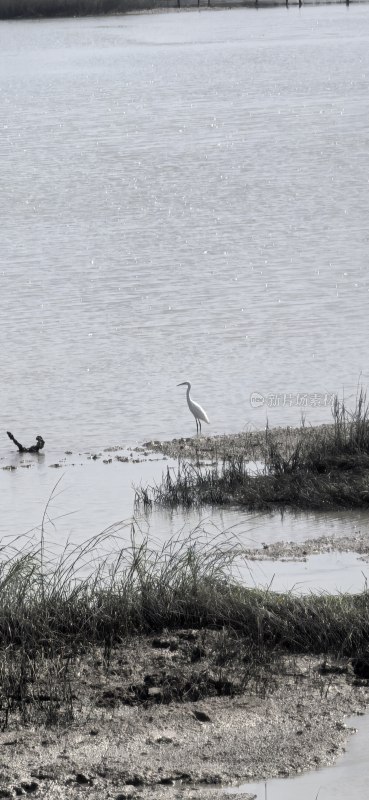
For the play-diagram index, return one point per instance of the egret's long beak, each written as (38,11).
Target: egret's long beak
(182,384)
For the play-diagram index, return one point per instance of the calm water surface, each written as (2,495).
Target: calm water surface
(184,196)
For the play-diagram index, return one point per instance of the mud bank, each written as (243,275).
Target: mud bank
(251,445)
(357,542)
(304,468)
(153,722)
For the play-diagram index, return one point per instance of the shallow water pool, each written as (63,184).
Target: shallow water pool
(331,573)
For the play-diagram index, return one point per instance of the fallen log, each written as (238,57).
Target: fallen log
(35,447)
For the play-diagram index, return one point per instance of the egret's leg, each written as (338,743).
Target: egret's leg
(200,426)
(197,427)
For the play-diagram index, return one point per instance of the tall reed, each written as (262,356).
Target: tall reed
(188,583)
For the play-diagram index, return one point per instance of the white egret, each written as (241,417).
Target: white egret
(195,409)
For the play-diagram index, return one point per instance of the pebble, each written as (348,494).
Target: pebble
(83,780)
(202,716)
(155,692)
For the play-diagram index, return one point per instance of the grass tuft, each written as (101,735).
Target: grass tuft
(189,583)
(51,612)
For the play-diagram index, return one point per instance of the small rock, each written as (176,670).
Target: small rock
(155,693)
(43,775)
(83,780)
(198,653)
(161,643)
(361,667)
(135,780)
(151,679)
(211,779)
(202,716)
(184,777)
(190,636)
(94,732)
(125,795)
(29,787)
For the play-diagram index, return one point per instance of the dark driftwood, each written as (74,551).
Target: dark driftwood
(35,447)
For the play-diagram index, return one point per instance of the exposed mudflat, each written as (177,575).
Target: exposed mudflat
(251,444)
(179,716)
(357,542)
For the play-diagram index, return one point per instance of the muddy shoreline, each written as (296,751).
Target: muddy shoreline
(250,444)
(285,721)
(357,542)
(183,714)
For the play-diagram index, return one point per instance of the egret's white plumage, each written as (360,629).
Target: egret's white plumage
(195,408)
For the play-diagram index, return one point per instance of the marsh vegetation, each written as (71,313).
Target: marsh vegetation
(52,614)
(310,468)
